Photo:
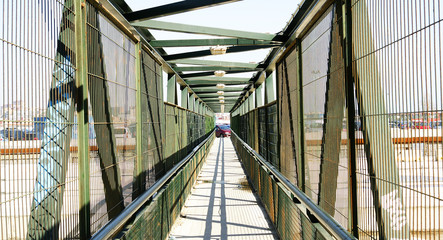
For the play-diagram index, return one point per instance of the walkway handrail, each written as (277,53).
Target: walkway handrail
(115,225)
(329,223)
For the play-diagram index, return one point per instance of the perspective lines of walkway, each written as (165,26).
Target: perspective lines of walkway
(222,204)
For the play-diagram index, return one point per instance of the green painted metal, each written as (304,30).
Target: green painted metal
(217,79)
(83,123)
(269,89)
(215,89)
(215,63)
(100,92)
(259,96)
(203,53)
(350,96)
(185,98)
(171,89)
(192,102)
(139,171)
(252,101)
(213,68)
(210,42)
(302,179)
(226,94)
(173,8)
(186,28)
(216,98)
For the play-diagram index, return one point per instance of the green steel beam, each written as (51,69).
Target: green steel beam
(138,176)
(186,28)
(227,94)
(216,79)
(216,63)
(171,89)
(215,89)
(83,123)
(214,98)
(173,8)
(192,102)
(350,96)
(215,103)
(211,42)
(269,89)
(211,73)
(214,68)
(185,98)
(203,53)
(202,82)
(259,96)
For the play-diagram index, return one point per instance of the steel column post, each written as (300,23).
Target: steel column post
(347,38)
(83,118)
(301,156)
(139,176)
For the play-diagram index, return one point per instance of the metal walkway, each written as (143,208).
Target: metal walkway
(222,204)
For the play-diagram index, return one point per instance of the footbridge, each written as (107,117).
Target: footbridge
(110,114)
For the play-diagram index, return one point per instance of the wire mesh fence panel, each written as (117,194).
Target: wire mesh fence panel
(272,135)
(288,88)
(112,115)
(397,70)
(38,121)
(324,119)
(263,148)
(152,115)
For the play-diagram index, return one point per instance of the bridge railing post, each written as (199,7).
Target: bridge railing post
(81,83)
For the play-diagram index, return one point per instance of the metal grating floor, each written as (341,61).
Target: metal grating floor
(222,204)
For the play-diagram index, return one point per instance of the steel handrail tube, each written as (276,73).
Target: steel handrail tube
(329,223)
(115,225)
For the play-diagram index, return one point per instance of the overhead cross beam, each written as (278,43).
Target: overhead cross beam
(173,8)
(216,63)
(211,73)
(186,28)
(216,98)
(215,80)
(210,42)
(214,68)
(227,94)
(204,53)
(215,89)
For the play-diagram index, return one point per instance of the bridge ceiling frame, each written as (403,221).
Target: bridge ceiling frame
(187,65)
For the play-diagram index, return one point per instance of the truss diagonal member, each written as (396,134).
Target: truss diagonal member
(173,8)
(186,28)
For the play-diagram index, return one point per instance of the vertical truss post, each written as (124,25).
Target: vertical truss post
(349,81)
(83,119)
(139,178)
(301,156)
